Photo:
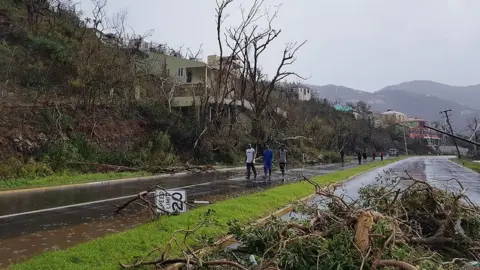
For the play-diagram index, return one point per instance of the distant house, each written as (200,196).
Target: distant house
(294,92)
(416,129)
(390,117)
(107,38)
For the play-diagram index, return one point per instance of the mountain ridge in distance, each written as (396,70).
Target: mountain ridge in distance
(421,99)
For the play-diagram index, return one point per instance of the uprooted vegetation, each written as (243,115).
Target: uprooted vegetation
(71,101)
(397,223)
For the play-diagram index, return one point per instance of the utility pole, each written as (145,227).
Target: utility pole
(451,129)
(405,141)
(404,128)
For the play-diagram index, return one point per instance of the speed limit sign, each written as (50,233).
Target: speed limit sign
(170,201)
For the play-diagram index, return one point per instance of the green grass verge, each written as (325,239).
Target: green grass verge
(107,252)
(65,179)
(469,164)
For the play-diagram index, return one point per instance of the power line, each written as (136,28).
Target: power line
(451,130)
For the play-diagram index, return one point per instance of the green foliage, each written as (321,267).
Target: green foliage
(107,252)
(14,168)
(331,157)
(64,178)
(61,153)
(52,48)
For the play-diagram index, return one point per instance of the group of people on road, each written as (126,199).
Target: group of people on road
(267,161)
(363,155)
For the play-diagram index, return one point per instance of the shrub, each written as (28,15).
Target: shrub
(61,153)
(52,48)
(331,157)
(14,168)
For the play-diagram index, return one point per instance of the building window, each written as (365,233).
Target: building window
(304,91)
(189,76)
(180,72)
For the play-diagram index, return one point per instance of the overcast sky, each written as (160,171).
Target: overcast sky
(362,44)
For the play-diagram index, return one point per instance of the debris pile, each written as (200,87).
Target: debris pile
(396,223)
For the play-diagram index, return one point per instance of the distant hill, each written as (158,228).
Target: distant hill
(406,97)
(465,95)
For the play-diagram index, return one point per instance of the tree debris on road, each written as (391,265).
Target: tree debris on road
(396,223)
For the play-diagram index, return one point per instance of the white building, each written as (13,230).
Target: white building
(392,117)
(303,93)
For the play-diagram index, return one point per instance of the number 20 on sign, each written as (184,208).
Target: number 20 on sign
(171,201)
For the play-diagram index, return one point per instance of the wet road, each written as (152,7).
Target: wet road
(34,222)
(438,170)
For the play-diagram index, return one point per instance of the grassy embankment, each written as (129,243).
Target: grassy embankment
(66,178)
(107,252)
(32,180)
(469,164)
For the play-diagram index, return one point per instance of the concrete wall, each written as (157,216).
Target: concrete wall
(174,67)
(304,94)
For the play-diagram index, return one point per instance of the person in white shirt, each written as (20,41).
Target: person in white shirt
(250,160)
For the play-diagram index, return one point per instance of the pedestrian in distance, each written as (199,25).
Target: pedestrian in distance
(359,156)
(381,155)
(342,157)
(364,156)
(250,161)
(267,162)
(374,154)
(282,162)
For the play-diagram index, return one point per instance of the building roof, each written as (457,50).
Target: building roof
(414,120)
(339,107)
(392,112)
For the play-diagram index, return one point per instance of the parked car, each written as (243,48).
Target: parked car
(393,152)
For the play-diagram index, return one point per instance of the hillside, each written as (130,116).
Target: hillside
(71,100)
(465,95)
(414,104)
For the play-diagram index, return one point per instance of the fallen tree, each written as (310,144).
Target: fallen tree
(397,223)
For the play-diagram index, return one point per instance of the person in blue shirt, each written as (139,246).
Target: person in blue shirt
(267,161)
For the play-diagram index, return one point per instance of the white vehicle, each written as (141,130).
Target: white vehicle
(393,152)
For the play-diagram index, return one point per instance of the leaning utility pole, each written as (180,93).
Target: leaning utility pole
(451,129)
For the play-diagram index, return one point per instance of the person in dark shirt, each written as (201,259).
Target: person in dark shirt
(267,162)
(359,156)
(342,156)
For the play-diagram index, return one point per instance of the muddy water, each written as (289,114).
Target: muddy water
(22,247)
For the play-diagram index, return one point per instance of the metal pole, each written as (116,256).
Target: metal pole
(451,130)
(405,140)
(453,136)
(404,136)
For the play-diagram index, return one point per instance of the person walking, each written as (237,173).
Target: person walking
(359,156)
(364,156)
(250,160)
(267,162)
(374,154)
(283,161)
(342,157)
(381,155)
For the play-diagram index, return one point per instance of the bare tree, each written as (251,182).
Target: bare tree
(169,87)
(35,9)
(239,73)
(474,126)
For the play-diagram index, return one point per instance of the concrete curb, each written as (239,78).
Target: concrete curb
(121,180)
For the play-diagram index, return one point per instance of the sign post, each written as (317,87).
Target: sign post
(170,201)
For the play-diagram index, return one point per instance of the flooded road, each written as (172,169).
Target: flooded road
(64,222)
(438,170)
